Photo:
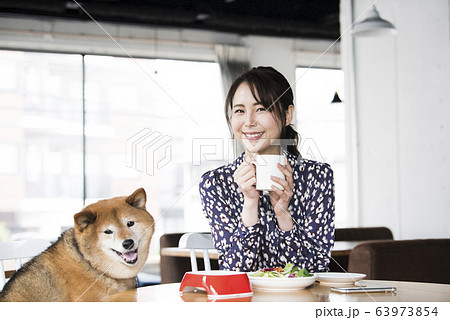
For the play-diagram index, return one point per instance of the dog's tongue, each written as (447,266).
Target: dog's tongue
(129,256)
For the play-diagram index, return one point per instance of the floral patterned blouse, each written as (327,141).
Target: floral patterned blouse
(264,245)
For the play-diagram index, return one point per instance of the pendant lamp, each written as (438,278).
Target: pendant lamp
(336,98)
(373,25)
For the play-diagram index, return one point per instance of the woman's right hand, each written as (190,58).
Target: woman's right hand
(245,178)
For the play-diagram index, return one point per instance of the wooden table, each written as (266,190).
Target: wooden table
(341,248)
(406,292)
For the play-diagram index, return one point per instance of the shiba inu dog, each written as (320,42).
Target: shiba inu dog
(100,256)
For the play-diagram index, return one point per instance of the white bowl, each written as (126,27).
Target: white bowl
(280,284)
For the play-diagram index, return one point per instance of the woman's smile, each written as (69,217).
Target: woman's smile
(253,135)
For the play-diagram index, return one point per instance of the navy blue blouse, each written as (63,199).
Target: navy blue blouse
(264,245)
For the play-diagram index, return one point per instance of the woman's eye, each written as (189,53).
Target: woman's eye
(238,111)
(108,231)
(261,109)
(130,223)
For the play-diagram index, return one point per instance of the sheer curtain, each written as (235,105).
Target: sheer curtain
(233,61)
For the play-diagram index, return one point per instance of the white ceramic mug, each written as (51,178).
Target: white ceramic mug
(266,166)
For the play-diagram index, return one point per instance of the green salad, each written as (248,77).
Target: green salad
(289,271)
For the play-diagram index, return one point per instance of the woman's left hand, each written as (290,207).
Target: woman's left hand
(280,198)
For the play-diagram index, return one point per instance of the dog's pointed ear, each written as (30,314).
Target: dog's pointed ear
(83,219)
(138,199)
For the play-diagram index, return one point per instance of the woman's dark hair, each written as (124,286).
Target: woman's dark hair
(271,89)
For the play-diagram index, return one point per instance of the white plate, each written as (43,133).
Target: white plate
(339,277)
(280,284)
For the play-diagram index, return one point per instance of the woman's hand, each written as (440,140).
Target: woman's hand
(245,178)
(280,198)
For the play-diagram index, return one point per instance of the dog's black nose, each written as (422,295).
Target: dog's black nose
(128,244)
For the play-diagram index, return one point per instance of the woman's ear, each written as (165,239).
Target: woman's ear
(289,115)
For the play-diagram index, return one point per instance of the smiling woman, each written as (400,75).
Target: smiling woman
(254,229)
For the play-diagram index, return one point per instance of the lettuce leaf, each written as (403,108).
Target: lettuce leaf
(289,271)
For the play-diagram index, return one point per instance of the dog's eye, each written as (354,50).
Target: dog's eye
(130,223)
(108,231)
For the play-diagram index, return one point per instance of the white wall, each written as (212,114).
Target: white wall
(402,117)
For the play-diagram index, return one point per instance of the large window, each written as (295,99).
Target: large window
(321,125)
(75,129)
(40,143)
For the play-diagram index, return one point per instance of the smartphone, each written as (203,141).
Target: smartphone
(364,289)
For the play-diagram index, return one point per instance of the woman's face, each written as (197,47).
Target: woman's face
(252,124)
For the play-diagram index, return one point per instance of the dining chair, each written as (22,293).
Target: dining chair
(340,263)
(197,241)
(18,250)
(363,233)
(172,269)
(418,260)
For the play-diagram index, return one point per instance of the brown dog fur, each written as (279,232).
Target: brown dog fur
(81,265)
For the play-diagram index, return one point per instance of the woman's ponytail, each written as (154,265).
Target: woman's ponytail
(290,140)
